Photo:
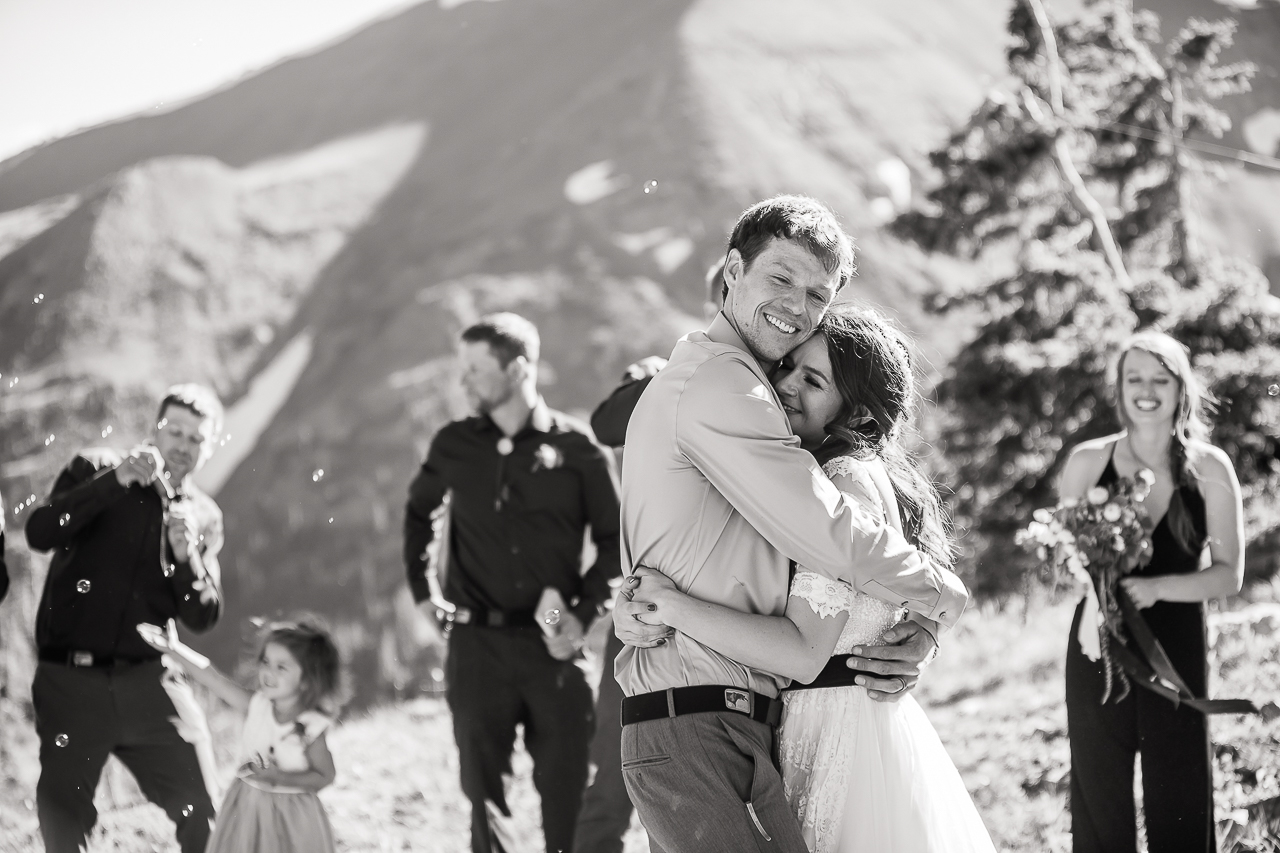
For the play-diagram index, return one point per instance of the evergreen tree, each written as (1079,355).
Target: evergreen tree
(1078,187)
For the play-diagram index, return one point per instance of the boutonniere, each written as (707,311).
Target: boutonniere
(547,457)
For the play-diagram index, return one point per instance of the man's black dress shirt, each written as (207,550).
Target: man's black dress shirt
(609,420)
(111,563)
(517,520)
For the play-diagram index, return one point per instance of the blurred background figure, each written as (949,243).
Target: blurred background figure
(134,540)
(524,484)
(4,570)
(1195,504)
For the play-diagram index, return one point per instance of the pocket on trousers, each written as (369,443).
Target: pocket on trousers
(760,784)
(646,762)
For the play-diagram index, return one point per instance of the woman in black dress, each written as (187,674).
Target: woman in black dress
(1195,507)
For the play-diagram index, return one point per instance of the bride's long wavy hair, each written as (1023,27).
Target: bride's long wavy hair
(1190,424)
(872,368)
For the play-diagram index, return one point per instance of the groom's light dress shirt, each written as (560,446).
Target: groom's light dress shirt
(718,495)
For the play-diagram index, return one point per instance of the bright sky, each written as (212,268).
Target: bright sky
(67,64)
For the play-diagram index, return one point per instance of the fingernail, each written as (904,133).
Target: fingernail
(856,650)
(860,681)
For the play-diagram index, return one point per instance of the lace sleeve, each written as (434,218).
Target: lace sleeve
(852,477)
(825,596)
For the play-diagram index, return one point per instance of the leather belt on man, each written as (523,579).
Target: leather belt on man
(80,659)
(486,618)
(701,699)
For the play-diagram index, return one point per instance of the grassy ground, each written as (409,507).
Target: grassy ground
(995,696)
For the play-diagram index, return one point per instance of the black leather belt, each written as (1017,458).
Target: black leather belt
(485,617)
(702,699)
(82,659)
(835,674)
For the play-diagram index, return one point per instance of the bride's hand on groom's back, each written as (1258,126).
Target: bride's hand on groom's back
(897,662)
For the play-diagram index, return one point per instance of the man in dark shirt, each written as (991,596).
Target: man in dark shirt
(524,483)
(134,541)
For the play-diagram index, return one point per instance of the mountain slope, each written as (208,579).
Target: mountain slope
(336,219)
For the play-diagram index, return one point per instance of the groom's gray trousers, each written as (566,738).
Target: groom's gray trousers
(706,783)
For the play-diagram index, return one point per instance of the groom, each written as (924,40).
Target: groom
(718,495)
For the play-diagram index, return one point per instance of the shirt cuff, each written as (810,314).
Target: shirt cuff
(951,602)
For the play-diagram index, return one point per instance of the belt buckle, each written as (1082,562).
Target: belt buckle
(80,659)
(738,700)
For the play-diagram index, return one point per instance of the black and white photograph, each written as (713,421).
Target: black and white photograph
(639,426)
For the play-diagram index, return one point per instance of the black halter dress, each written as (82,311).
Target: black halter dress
(1177,763)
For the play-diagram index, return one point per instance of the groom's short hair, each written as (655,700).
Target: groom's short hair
(508,336)
(805,220)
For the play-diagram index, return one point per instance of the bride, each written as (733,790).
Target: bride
(860,775)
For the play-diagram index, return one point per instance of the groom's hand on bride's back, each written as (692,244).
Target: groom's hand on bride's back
(627,624)
(897,662)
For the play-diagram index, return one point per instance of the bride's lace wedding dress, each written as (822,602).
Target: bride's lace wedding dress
(863,775)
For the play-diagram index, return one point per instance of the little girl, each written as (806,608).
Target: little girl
(272,805)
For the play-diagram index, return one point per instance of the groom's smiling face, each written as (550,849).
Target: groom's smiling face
(777,301)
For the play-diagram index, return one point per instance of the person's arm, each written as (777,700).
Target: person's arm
(197,579)
(609,420)
(600,497)
(82,491)
(320,774)
(426,493)
(196,665)
(796,645)
(729,427)
(1224,517)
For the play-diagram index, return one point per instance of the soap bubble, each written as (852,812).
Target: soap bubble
(83,586)
(169,569)
(38,299)
(107,431)
(64,519)
(650,186)
(317,475)
(61,740)
(1273,390)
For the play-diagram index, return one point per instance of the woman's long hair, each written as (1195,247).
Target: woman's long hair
(872,370)
(1190,423)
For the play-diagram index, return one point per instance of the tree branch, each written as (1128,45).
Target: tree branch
(1084,201)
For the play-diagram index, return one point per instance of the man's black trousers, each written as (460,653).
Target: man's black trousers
(82,716)
(501,677)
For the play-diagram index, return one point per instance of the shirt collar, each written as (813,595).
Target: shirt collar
(540,419)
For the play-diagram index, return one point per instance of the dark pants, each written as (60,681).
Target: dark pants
(84,715)
(1177,762)
(501,677)
(606,807)
(706,783)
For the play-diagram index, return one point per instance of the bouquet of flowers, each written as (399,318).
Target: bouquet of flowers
(1097,541)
